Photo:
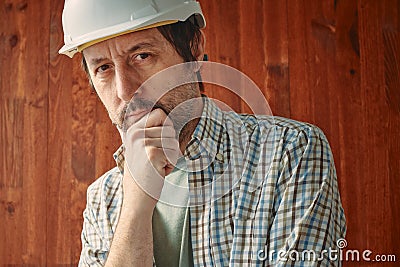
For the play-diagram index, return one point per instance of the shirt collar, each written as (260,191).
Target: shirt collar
(207,138)
(120,158)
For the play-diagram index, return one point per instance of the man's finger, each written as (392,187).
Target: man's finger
(157,117)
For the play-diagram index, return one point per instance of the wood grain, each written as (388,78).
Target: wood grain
(60,176)
(218,49)
(24,110)
(334,63)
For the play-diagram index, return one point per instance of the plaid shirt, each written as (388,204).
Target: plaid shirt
(263,190)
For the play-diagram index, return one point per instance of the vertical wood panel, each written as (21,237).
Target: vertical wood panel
(312,51)
(275,55)
(83,126)
(298,38)
(24,72)
(60,175)
(11,117)
(251,53)
(84,105)
(374,123)
(346,117)
(219,49)
(377,119)
(107,141)
(391,36)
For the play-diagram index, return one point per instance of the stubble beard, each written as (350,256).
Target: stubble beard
(184,116)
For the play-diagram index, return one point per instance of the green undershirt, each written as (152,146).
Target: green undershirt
(171,222)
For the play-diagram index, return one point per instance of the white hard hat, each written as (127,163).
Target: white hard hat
(91,21)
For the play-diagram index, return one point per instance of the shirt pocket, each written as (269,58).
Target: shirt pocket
(248,200)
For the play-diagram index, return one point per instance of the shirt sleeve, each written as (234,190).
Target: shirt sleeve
(100,218)
(94,251)
(309,218)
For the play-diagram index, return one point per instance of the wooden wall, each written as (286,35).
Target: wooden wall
(331,63)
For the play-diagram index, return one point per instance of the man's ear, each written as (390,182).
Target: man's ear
(199,52)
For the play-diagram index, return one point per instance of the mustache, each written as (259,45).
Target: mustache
(139,104)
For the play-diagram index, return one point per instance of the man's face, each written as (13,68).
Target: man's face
(120,65)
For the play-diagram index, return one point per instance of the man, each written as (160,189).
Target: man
(258,188)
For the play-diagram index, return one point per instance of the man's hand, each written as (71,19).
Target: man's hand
(151,151)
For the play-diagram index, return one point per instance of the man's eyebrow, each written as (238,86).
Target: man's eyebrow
(96,61)
(136,47)
(140,46)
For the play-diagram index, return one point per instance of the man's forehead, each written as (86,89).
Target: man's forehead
(150,38)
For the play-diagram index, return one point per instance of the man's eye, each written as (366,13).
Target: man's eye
(142,56)
(103,68)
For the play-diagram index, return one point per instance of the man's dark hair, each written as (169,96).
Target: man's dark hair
(184,36)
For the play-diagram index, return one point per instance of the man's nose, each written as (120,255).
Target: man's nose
(126,84)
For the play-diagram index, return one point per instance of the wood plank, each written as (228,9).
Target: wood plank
(24,102)
(276,56)
(391,44)
(345,100)
(252,54)
(223,21)
(84,112)
(375,182)
(11,119)
(107,141)
(301,101)
(83,126)
(35,54)
(60,175)
(317,28)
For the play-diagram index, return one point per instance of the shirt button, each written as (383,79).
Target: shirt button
(220,157)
